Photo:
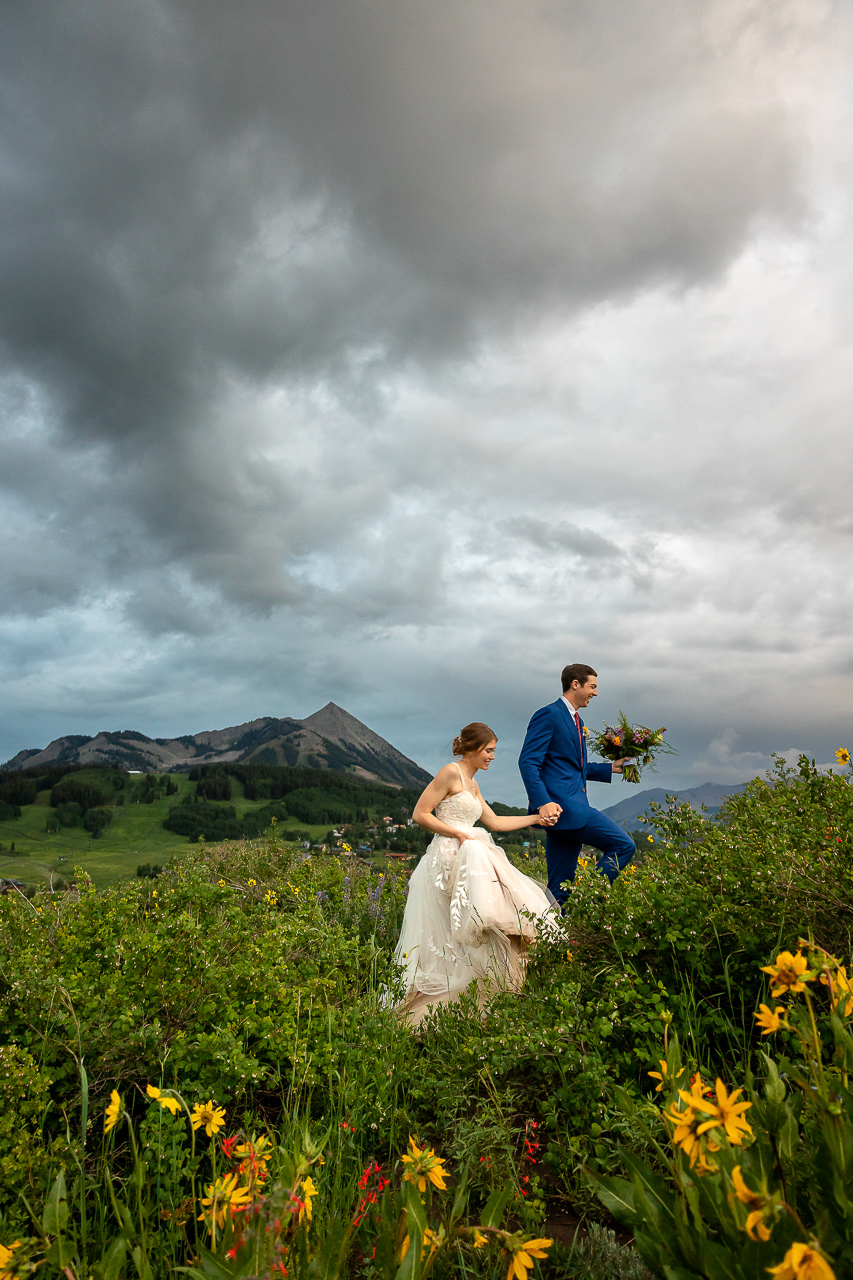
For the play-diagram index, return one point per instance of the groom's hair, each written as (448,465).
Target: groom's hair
(576,671)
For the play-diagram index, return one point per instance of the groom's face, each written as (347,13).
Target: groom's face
(582,694)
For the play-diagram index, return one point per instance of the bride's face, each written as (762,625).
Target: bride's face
(483,758)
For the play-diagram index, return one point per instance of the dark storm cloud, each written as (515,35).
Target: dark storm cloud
(357,345)
(282,188)
(562,536)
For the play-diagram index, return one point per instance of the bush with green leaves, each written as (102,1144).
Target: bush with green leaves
(256,976)
(227,983)
(96,822)
(201,819)
(757,1180)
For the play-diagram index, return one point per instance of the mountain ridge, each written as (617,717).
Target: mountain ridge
(330,739)
(628,812)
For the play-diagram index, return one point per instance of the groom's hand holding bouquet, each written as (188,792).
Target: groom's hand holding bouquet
(632,746)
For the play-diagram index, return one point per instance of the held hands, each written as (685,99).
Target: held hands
(548,815)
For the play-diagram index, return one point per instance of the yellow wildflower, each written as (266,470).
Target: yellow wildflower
(6,1260)
(430,1240)
(755,1202)
(663,1075)
(842,755)
(308,1192)
(168,1103)
(209,1117)
(770,1020)
(726,1112)
(801,1262)
(841,988)
(253,882)
(686,1132)
(479,1239)
(112,1112)
(254,1155)
(222,1195)
(424,1164)
(703,1165)
(522,1254)
(789,973)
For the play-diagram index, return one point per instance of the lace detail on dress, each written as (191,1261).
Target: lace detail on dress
(462,809)
(459,810)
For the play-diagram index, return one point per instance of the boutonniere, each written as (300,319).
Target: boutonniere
(585,732)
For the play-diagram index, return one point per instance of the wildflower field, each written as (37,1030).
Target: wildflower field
(199,1074)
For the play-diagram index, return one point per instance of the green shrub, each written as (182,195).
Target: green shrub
(149,870)
(96,821)
(214,786)
(762,1181)
(257,976)
(217,822)
(24,1100)
(68,814)
(200,818)
(89,790)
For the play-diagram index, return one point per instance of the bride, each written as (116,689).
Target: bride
(470,913)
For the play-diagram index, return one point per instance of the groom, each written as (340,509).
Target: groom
(553,764)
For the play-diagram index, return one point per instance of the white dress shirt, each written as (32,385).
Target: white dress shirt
(572,710)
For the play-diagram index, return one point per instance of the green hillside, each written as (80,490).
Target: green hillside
(35,846)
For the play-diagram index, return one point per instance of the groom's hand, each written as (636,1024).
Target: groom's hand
(616,766)
(549,813)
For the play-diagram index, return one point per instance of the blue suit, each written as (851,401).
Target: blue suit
(554,767)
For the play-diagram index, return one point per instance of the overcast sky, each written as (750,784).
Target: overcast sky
(398,352)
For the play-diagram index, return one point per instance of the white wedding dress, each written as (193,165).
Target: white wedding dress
(470,915)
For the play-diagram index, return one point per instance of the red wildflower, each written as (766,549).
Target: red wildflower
(368,1173)
(228,1145)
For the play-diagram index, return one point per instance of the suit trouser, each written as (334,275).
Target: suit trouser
(562,849)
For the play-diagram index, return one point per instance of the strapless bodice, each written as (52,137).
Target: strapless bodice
(463,808)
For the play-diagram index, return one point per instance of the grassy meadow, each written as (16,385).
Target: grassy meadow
(204,1074)
(135,836)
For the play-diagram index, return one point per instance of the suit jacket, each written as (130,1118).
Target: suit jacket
(554,766)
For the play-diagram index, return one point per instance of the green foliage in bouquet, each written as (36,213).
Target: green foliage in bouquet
(758,1182)
(642,745)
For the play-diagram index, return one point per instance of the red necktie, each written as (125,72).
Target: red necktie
(580,734)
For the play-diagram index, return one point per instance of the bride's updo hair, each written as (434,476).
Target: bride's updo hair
(473,738)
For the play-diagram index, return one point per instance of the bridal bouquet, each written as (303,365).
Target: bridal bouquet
(634,740)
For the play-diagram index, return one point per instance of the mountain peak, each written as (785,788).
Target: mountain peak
(331,739)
